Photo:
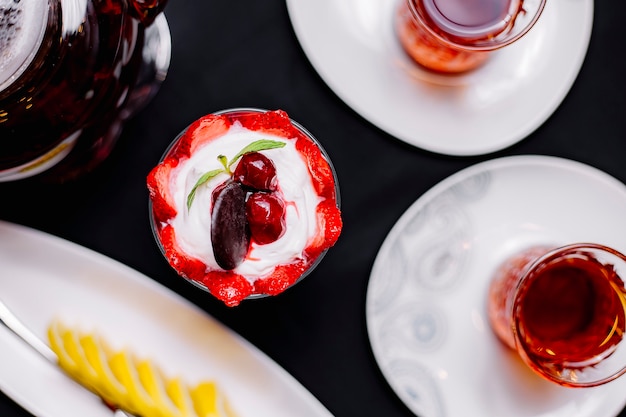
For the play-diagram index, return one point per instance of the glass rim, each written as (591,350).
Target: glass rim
(480,41)
(313,265)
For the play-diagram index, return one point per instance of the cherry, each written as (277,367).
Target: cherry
(230,236)
(256,171)
(266,217)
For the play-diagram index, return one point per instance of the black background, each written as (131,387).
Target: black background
(244,54)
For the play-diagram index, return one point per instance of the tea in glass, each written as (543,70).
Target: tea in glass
(454,36)
(564,312)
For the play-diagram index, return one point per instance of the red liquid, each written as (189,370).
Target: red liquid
(460,25)
(73,94)
(570,313)
(468,18)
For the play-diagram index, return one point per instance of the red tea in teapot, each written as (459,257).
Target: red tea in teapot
(68,70)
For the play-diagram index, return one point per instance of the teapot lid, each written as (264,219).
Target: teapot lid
(22,28)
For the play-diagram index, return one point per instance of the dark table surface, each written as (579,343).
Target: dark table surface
(232,54)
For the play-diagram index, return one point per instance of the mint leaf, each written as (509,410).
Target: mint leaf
(258,145)
(203,179)
(224,161)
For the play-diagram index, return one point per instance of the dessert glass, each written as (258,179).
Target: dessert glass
(155,226)
(563,311)
(443,36)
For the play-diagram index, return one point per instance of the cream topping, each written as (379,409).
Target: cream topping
(193,226)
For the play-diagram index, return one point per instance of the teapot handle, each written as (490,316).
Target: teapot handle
(146,10)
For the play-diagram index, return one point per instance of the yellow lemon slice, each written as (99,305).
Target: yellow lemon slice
(209,401)
(134,385)
(56,344)
(204,398)
(84,371)
(152,381)
(178,392)
(137,401)
(69,354)
(97,353)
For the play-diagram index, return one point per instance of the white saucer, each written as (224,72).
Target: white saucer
(425,306)
(352,45)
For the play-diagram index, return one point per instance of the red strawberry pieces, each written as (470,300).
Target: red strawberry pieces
(319,168)
(329,228)
(187,266)
(227,286)
(281,278)
(163,207)
(272,122)
(198,134)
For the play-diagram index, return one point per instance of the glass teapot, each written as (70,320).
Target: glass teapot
(71,73)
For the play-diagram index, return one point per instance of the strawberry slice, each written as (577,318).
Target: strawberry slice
(319,168)
(227,286)
(187,266)
(200,133)
(329,228)
(281,278)
(275,122)
(163,206)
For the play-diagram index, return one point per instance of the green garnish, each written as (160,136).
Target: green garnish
(204,178)
(259,145)
(256,146)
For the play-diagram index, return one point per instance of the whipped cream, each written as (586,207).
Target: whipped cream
(193,225)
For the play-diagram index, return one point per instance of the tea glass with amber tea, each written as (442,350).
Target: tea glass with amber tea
(563,312)
(455,36)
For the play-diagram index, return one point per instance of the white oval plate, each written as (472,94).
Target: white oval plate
(43,277)
(426,299)
(352,45)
